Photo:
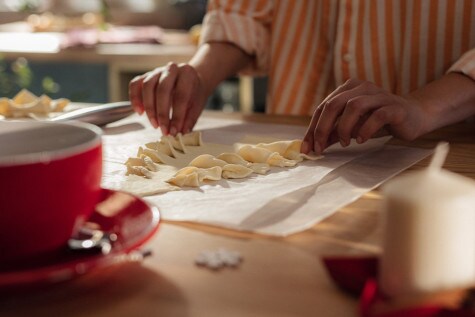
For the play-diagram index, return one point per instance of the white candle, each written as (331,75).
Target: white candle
(429,240)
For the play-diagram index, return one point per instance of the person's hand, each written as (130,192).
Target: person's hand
(175,88)
(361,110)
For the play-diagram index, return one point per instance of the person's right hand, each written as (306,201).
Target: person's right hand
(362,110)
(175,88)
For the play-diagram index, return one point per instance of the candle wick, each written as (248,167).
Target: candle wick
(440,153)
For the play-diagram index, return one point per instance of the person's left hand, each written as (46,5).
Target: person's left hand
(361,110)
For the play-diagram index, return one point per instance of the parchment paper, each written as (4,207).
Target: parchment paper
(283,202)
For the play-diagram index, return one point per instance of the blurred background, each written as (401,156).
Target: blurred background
(89,50)
(173,14)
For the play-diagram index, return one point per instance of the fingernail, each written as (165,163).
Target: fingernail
(164,130)
(359,140)
(138,110)
(173,131)
(343,143)
(304,148)
(154,122)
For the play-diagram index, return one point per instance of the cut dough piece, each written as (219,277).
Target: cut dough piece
(145,187)
(60,104)
(24,96)
(259,168)
(150,153)
(162,147)
(275,159)
(139,171)
(132,166)
(236,171)
(175,142)
(5,107)
(253,154)
(133,170)
(207,161)
(141,166)
(194,176)
(182,180)
(165,152)
(288,149)
(144,171)
(151,166)
(26,104)
(36,107)
(134,161)
(256,154)
(233,158)
(212,173)
(191,139)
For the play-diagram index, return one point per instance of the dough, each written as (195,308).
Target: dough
(255,154)
(288,149)
(233,158)
(236,171)
(26,104)
(194,176)
(186,161)
(170,156)
(206,161)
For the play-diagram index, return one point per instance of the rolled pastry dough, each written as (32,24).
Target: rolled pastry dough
(194,176)
(26,104)
(206,161)
(185,160)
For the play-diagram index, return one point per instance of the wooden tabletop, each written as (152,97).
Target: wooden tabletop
(278,277)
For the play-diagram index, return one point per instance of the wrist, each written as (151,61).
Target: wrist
(425,119)
(208,85)
(447,100)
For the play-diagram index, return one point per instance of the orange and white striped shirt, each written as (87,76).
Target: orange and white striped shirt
(310,47)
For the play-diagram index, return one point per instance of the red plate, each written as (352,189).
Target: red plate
(129,217)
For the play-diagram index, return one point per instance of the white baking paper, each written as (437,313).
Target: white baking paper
(283,202)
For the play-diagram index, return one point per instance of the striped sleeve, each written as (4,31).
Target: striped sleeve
(466,64)
(244,23)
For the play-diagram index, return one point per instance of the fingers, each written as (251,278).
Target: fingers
(173,90)
(135,94)
(356,113)
(378,120)
(309,143)
(334,107)
(149,84)
(163,98)
(194,111)
(358,110)
(185,90)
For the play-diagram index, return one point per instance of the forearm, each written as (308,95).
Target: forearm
(445,101)
(216,61)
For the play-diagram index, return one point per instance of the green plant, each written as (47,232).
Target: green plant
(28,6)
(18,75)
(105,13)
